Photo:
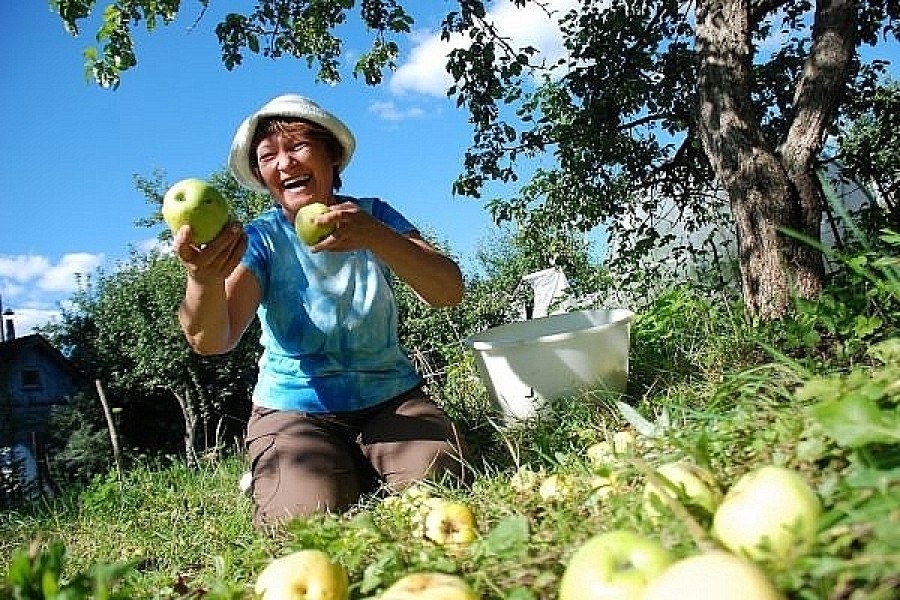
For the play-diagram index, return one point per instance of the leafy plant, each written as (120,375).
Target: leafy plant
(37,574)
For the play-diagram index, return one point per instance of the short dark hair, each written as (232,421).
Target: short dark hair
(293,126)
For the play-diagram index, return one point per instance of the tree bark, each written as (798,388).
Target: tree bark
(111,426)
(770,189)
(190,423)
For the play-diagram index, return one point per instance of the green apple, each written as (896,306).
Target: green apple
(601,453)
(429,586)
(690,484)
(196,203)
(449,522)
(307,228)
(615,565)
(303,575)
(714,574)
(557,487)
(769,515)
(525,479)
(624,442)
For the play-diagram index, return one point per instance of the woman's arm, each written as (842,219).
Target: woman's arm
(435,277)
(220,296)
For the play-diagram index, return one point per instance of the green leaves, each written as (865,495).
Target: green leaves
(303,29)
(37,574)
(855,421)
(859,408)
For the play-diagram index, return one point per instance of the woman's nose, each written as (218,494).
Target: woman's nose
(283,160)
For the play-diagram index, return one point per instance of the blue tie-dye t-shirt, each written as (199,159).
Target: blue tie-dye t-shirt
(329,319)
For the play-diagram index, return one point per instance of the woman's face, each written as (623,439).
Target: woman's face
(297,169)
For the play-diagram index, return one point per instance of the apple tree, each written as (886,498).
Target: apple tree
(689,102)
(121,328)
(680,101)
(869,148)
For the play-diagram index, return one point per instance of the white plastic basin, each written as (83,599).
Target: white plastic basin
(528,363)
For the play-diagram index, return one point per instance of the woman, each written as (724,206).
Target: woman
(338,408)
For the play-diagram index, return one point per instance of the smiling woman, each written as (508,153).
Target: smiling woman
(338,407)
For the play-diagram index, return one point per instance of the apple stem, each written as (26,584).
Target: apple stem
(699,534)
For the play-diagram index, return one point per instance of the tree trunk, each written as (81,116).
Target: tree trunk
(768,189)
(111,426)
(190,423)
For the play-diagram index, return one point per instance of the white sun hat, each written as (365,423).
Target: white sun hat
(288,105)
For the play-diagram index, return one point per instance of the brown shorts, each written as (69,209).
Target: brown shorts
(304,463)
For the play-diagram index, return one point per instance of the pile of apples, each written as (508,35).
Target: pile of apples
(311,574)
(766,520)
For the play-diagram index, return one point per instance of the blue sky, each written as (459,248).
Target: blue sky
(72,149)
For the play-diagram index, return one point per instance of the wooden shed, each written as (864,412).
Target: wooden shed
(34,377)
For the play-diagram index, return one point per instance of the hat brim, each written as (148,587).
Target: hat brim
(289,106)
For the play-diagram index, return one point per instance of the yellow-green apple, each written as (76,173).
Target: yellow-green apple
(303,575)
(770,515)
(601,453)
(429,586)
(449,522)
(624,442)
(616,565)
(525,479)
(306,223)
(557,487)
(196,203)
(691,485)
(714,574)
(603,485)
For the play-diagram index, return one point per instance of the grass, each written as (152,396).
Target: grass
(825,405)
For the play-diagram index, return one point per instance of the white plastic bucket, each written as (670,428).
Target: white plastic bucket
(528,363)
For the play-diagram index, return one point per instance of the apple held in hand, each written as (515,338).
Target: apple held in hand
(303,575)
(429,586)
(450,523)
(616,565)
(307,228)
(196,203)
(715,574)
(692,485)
(770,514)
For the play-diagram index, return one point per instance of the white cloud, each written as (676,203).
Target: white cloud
(150,245)
(32,286)
(22,268)
(63,276)
(26,319)
(424,71)
(389,111)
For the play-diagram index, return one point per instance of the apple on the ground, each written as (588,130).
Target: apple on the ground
(525,479)
(196,203)
(449,522)
(429,586)
(691,484)
(770,515)
(307,226)
(303,575)
(601,453)
(624,442)
(557,487)
(715,574)
(616,565)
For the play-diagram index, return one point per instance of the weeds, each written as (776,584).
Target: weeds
(818,393)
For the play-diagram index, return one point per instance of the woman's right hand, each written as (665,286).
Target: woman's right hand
(213,262)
